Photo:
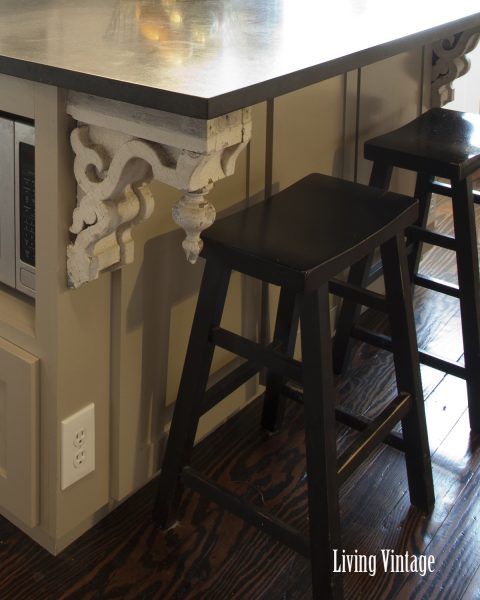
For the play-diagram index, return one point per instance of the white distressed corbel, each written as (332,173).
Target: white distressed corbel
(193,213)
(119,148)
(449,62)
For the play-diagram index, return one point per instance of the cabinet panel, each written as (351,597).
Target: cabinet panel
(17,96)
(19,468)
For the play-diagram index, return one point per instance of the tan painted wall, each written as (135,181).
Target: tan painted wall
(467,88)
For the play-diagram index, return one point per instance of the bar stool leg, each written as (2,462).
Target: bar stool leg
(349,314)
(407,368)
(423,194)
(193,383)
(468,282)
(285,333)
(380,177)
(320,443)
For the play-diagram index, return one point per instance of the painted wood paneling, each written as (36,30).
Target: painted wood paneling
(19,433)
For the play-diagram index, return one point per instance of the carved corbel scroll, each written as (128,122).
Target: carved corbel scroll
(119,149)
(449,62)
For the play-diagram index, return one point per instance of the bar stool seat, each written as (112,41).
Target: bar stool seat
(309,232)
(298,239)
(440,143)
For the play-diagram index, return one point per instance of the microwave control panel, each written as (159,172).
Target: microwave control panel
(27,203)
(25,208)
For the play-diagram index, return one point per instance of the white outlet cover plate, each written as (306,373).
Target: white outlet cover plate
(84,420)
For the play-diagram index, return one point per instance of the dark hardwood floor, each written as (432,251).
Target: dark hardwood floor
(213,556)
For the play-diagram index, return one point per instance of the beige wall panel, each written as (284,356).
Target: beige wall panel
(308,132)
(72,327)
(467,88)
(308,137)
(390,95)
(19,424)
(84,377)
(152,309)
(257,149)
(16,96)
(17,317)
(51,131)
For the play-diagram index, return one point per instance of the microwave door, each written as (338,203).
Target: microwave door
(7,204)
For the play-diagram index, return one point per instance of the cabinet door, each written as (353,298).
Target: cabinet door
(19,433)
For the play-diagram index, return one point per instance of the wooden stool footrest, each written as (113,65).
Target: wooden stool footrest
(372,435)
(445,189)
(271,359)
(229,384)
(426,358)
(358,294)
(358,422)
(431,237)
(247,511)
(437,285)
(376,271)
(380,340)
(436,362)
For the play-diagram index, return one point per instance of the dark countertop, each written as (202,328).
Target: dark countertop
(203,58)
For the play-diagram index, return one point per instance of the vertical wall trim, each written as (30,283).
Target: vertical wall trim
(115,370)
(426,82)
(269,147)
(265,300)
(357,123)
(247,173)
(351,116)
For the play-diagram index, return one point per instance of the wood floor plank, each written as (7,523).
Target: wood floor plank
(473,590)
(405,529)
(456,550)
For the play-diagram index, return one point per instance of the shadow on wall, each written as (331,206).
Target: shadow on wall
(162,305)
(165,280)
(376,118)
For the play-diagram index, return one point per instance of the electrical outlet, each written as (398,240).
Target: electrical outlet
(78,445)
(80,437)
(79,458)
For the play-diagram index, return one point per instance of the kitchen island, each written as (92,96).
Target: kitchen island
(145,92)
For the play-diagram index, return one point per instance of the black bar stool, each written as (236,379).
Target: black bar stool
(440,143)
(299,239)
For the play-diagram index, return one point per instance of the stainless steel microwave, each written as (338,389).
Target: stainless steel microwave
(17,204)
